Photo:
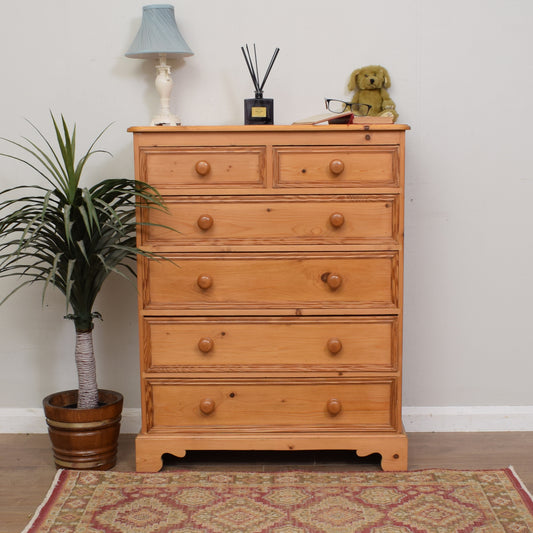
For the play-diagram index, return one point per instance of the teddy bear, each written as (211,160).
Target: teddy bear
(371,84)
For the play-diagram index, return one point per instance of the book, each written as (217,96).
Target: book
(372,120)
(326,117)
(343,118)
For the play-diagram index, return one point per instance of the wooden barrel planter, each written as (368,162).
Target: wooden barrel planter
(84,439)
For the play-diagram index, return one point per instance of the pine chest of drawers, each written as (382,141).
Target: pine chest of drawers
(277,324)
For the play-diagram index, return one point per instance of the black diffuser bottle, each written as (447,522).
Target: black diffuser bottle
(258,110)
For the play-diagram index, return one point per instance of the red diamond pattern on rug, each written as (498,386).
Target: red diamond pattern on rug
(135,512)
(336,514)
(427,510)
(237,514)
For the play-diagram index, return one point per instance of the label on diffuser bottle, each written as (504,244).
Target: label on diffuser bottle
(258,112)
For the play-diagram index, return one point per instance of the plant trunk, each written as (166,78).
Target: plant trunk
(86,366)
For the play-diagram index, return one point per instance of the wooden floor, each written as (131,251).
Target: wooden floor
(27,469)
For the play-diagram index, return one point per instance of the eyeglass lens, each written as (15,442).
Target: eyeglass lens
(338,106)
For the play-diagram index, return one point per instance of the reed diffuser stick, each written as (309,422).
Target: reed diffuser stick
(256,66)
(269,68)
(255,78)
(250,69)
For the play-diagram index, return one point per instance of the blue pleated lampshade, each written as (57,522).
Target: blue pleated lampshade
(158,34)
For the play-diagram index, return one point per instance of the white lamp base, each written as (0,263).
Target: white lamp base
(163,84)
(165,120)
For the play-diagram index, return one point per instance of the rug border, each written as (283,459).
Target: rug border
(520,487)
(49,499)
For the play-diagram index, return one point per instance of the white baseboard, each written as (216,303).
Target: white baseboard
(415,419)
(31,420)
(468,418)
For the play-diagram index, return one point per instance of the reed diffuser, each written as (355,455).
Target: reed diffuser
(258,110)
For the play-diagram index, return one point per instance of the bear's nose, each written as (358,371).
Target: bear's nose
(372,80)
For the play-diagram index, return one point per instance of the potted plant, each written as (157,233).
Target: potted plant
(72,237)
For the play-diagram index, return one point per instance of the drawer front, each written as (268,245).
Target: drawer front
(290,221)
(273,404)
(334,280)
(198,167)
(271,344)
(337,166)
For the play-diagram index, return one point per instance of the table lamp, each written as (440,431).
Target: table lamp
(159,37)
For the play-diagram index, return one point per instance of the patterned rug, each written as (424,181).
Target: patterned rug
(286,502)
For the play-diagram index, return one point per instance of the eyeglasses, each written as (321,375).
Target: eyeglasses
(339,106)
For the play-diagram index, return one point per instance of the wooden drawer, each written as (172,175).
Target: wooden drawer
(357,405)
(271,343)
(291,220)
(196,167)
(235,281)
(337,166)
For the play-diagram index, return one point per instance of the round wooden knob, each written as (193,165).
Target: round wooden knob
(334,345)
(204,281)
(207,406)
(205,222)
(336,219)
(202,168)
(205,344)
(334,406)
(336,166)
(334,281)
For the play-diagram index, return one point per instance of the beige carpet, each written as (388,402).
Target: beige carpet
(286,502)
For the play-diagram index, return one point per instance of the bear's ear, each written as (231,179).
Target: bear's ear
(352,83)
(386,78)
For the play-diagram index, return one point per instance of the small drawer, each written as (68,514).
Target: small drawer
(337,166)
(291,220)
(294,344)
(334,280)
(269,404)
(174,168)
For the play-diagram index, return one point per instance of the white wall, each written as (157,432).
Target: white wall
(462,77)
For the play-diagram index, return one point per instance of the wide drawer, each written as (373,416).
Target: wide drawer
(363,405)
(274,344)
(292,220)
(237,280)
(337,166)
(197,167)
